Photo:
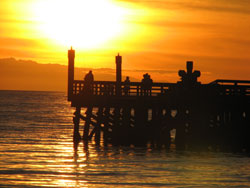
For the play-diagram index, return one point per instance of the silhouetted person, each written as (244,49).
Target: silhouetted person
(89,79)
(126,86)
(149,84)
(146,84)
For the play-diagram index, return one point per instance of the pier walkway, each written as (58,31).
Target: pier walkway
(215,115)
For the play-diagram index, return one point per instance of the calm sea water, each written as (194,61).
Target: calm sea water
(36,150)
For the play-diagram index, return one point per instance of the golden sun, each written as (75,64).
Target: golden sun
(81,23)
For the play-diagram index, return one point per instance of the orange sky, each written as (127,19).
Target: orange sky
(155,36)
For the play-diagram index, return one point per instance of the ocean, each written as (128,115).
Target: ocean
(36,150)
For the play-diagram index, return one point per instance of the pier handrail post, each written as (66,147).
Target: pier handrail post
(71,62)
(118,60)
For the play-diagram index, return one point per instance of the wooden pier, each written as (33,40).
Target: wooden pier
(214,115)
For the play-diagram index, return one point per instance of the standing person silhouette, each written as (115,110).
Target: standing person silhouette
(89,79)
(143,84)
(149,83)
(146,85)
(126,86)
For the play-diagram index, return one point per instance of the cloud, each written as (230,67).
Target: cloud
(233,6)
(16,21)
(19,42)
(176,24)
(152,71)
(29,75)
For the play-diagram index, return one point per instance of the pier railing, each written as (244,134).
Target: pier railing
(108,88)
(131,89)
(232,87)
(231,82)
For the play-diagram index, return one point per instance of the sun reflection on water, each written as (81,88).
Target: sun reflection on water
(36,153)
(61,165)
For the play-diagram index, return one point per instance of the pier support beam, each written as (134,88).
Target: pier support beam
(87,123)
(76,121)
(106,126)
(98,126)
(125,130)
(116,126)
(180,121)
(166,124)
(156,127)
(141,128)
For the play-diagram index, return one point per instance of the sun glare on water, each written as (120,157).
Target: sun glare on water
(81,23)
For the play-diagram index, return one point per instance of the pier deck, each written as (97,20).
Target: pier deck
(213,115)
(162,93)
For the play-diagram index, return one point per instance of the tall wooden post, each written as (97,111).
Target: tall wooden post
(71,62)
(118,60)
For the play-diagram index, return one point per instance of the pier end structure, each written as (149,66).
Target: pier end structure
(216,114)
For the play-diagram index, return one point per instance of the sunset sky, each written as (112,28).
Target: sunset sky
(152,36)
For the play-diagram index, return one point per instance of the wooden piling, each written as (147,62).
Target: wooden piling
(141,129)
(76,121)
(87,123)
(180,138)
(106,121)
(115,135)
(98,126)
(156,138)
(125,128)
